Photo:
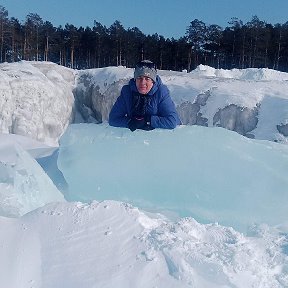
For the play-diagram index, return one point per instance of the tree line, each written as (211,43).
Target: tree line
(255,44)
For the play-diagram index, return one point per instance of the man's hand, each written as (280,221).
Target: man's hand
(136,123)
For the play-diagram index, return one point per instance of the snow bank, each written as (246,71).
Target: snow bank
(238,100)
(36,100)
(252,74)
(112,244)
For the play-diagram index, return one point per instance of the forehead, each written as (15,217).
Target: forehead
(147,78)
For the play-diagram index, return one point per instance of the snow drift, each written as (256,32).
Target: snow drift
(36,100)
(112,244)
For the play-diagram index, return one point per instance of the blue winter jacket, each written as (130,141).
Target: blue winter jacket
(160,106)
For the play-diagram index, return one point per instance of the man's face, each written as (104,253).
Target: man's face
(144,84)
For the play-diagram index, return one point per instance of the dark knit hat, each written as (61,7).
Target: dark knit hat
(145,68)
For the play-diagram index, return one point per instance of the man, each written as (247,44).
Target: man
(144,103)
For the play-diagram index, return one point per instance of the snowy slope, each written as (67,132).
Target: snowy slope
(111,244)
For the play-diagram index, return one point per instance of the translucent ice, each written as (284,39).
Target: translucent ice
(211,174)
(24,186)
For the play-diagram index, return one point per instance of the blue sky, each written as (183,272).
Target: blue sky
(169,18)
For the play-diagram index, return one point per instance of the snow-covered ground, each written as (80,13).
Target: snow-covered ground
(192,207)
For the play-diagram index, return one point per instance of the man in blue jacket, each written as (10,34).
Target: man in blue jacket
(144,103)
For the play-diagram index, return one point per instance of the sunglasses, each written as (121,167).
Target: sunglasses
(145,64)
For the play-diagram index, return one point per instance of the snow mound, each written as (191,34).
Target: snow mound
(33,103)
(103,77)
(112,244)
(252,74)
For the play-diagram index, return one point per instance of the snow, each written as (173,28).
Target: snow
(258,93)
(249,74)
(105,207)
(107,75)
(36,103)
